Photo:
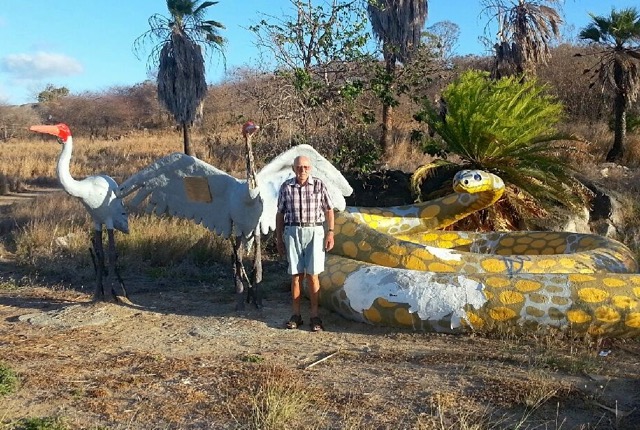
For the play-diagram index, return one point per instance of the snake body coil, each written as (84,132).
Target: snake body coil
(392,266)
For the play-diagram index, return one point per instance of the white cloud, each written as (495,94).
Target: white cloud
(40,65)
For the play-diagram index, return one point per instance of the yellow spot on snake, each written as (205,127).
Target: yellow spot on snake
(349,249)
(414,263)
(577,277)
(440,267)
(364,246)
(538,244)
(635,280)
(449,236)
(403,316)
(507,242)
(578,316)
(612,282)
(520,249)
(372,315)
(474,320)
(539,298)
(587,242)
(524,240)
(325,282)
(535,312)
(430,211)
(385,303)
(511,297)
(592,295)
(527,286)
(497,282)
(557,242)
(568,263)
(348,229)
(450,199)
(493,265)
(560,301)
(546,264)
(501,313)
(636,291)
(624,302)
(338,278)
(633,320)
(422,254)
(607,314)
(384,259)
(397,250)
(445,244)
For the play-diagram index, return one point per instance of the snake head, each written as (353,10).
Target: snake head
(475,181)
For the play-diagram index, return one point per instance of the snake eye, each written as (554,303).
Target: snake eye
(477,177)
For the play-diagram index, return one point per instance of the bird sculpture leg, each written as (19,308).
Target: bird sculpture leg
(113,259)
(238,272)
(98,264)
(254,294)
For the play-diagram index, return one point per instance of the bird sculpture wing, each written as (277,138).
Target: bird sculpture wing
(271,177)
(189,188)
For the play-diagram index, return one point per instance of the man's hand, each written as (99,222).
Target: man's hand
(328,241)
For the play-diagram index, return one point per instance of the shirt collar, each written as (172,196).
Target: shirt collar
(310,181)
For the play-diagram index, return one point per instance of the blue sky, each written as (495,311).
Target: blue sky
(86,45)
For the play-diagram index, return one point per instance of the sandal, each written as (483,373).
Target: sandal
(294,322)
(316,324)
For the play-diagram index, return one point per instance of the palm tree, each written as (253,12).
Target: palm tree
(398,25)
(179,42)
(618,69)
(525,32)
(507,127)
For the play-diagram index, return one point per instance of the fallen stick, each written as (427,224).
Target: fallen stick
(321,360)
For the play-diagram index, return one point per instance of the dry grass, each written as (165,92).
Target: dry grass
(409,381)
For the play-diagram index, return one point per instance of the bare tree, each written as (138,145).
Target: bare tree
(526,30)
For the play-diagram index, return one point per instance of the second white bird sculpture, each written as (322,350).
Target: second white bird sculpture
(186,187)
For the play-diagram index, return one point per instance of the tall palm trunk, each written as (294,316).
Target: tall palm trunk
(620,116)
(186,138)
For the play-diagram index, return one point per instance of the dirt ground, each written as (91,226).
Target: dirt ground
(179,356)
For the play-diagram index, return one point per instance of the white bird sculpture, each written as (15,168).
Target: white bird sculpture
(98,195)
(186,187)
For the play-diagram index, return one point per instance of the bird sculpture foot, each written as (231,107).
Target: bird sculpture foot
(254,296)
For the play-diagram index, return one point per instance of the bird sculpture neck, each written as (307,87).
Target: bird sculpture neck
(69,184)
(252,182)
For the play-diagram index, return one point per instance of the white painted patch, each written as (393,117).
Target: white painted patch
(445,253)
(433,296)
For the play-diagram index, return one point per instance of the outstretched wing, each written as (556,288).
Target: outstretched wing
(189,188)
(271,177)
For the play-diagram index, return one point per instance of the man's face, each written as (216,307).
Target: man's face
(302,168)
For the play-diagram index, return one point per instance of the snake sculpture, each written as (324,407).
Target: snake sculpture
(392,266)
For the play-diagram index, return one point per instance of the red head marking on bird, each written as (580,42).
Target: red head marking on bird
(249,128)
(61,131)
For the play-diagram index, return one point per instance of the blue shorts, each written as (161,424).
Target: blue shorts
(305,249)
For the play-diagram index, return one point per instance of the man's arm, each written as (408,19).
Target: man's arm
(280,232)
(330,219)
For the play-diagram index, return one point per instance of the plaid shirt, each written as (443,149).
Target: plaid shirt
(306,203)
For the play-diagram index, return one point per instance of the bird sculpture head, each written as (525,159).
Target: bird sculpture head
(61,131)
(249,128)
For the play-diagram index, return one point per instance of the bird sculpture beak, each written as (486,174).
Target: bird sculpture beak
(46,129)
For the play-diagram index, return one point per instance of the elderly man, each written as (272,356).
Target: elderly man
(304,208)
